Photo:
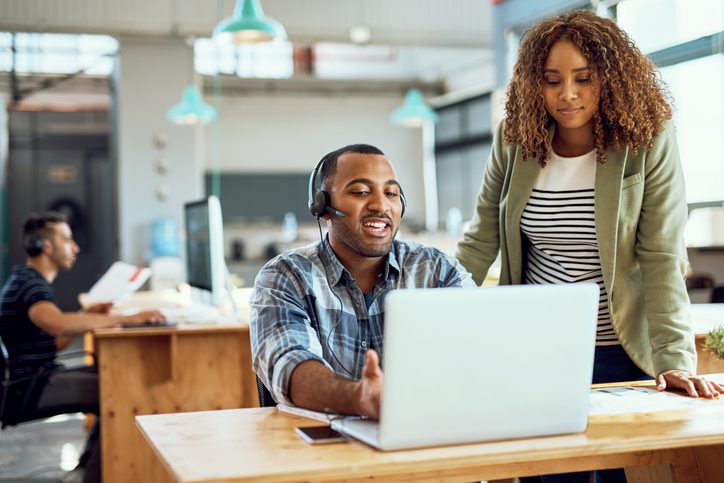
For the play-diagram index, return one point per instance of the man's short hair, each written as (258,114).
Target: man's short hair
(40,226)
(329,163)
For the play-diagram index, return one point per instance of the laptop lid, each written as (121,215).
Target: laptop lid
(466,365)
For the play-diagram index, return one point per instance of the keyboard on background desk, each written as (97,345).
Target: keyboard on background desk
(149,325)
(193,314)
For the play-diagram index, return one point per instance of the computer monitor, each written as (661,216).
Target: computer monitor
(205,265)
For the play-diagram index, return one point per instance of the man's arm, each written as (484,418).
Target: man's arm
(316,387)
(55,322)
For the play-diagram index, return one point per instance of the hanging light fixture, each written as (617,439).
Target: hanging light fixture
(248,25)
(192,109)
(413,112)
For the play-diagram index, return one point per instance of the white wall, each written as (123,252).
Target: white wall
(150,78)
(285,133)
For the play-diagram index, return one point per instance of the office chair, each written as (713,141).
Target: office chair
(265,398)
(17,393)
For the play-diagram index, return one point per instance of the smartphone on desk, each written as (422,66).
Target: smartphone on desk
(320,434)
(148,325)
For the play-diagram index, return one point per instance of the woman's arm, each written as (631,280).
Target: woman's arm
(480,244)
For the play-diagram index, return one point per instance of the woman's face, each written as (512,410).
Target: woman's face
(570,89)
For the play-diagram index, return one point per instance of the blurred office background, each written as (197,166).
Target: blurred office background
(86,85)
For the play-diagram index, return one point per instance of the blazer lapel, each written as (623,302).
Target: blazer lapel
(607,203)
(523,178)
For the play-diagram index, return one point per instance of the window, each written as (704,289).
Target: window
(684,38)
(272,60)
(463,141)
(58,53)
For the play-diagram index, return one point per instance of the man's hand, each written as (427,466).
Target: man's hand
(145,317)
(102,308)
(694,386)
(369,390)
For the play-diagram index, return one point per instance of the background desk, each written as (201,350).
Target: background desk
(165,370)
(260,445)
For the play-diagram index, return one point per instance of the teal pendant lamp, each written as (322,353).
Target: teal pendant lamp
(414,111)
(192,109)
(248,25)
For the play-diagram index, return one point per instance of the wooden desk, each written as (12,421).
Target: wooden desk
(260,445)
(705,317)
(163,370)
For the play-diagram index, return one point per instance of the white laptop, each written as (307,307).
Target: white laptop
(480,364)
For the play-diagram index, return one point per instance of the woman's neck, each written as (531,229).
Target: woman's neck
(572,142)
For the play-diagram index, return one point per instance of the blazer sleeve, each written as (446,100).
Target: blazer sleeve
(662,257)
(479,247)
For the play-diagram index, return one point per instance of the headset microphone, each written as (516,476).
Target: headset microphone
(334,212)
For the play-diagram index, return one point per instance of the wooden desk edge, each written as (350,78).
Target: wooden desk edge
(180,329)
(159,457)
(468,464)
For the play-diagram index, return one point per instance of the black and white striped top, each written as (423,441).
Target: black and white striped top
(559,223)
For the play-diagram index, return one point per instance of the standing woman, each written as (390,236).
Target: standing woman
(584,184)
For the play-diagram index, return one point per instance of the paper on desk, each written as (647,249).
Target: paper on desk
(308,413)
(627,399)
(120,280)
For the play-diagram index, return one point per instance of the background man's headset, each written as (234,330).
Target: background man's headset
(319,206)
(319,203)
(32,241)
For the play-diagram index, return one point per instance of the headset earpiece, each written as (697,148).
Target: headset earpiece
(34,244)
(318,199)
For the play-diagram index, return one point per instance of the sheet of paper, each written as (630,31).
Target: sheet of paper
(308,413)
(120,280)
(622,400)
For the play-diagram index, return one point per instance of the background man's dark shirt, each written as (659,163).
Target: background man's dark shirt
(30,348)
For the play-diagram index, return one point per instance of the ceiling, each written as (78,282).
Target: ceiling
(452,23)
(436,41)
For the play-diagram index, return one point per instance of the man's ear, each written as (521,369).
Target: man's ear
(47,247)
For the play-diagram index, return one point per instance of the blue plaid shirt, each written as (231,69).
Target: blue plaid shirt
(306,306)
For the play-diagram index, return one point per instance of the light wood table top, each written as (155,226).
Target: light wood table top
(182,328)
(261,445)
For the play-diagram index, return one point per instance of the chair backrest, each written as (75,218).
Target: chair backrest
(265,398)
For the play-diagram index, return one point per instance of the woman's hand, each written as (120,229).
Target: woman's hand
(694,385)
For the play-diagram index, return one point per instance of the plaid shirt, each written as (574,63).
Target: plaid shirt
(306,306)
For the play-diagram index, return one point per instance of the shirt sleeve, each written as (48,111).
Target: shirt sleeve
(32,292)
(662,256)
(455,274)
(282,336)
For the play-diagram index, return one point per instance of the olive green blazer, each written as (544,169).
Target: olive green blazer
(640,215)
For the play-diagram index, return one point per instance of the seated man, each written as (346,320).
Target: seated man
(317,312)
(34,329)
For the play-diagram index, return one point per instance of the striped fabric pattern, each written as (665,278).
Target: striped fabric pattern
(30,348)
(562,246)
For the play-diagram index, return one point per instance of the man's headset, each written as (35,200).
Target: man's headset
(318,202)
(32,241)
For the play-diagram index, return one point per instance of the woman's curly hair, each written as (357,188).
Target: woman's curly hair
(633,105)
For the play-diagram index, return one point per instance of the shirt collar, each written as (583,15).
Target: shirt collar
(335,269)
